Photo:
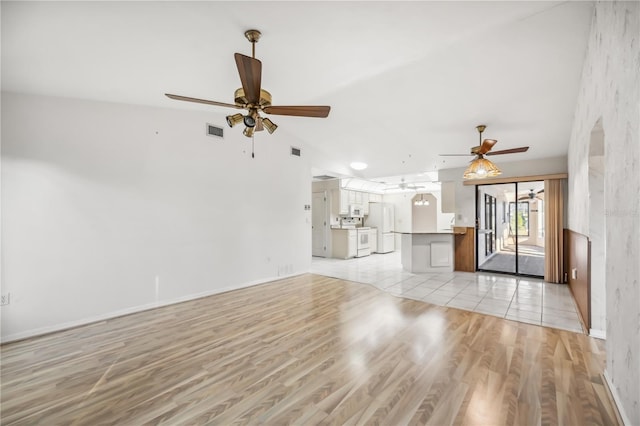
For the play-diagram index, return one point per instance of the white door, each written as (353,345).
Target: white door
(319,224)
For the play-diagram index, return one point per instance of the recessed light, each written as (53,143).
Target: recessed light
(357,165)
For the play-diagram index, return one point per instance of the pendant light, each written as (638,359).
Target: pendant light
(421,202)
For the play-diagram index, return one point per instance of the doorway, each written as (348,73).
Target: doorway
(319,224)
(510,228)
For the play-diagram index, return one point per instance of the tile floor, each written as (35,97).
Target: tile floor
(521,299)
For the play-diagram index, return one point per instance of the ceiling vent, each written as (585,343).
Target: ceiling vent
(215,131)
(324,177)
(295,151)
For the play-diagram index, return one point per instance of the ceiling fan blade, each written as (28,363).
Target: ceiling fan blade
(201,101)
(250,70)
(486,146)
(541,191)
(299,111)
(455,155)
(509,151)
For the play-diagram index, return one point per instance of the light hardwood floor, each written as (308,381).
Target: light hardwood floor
(306,350)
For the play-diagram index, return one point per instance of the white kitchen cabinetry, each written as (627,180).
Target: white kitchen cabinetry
(355,197)
(344,243)
(365,203)
(344,201)
(341,199)
(375,198)
(339,205)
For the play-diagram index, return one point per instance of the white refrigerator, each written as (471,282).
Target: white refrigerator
(381,216)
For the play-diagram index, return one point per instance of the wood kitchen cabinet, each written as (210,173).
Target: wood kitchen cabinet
(465,249)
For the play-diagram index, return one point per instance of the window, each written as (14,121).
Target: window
(519,217)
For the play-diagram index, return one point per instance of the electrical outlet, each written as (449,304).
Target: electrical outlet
(5,299)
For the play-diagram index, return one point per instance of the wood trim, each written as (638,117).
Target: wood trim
(577,255)
(515,179)
(465,249)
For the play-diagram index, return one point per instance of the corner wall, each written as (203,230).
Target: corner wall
(110,208)
(610,91)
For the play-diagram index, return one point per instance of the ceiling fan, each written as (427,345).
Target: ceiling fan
(253,98)
(531,195)
(403,185)
(485,147)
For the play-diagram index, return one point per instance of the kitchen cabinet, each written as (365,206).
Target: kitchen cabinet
(465,249)
(375,198)
(341,199)
(344,243)
(339,205)
(344,201)
(355,197)
(365,202)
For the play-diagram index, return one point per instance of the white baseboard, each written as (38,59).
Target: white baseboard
(616,399)
(103,317)
(598,334)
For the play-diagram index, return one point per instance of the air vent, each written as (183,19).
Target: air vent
(295,151)
(324,177)
(215,131)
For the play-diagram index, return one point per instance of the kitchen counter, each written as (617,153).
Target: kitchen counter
(428,251)
(443,232)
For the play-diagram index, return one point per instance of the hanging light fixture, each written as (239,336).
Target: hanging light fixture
(480,167)
(421,201)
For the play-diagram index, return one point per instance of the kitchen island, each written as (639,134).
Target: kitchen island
(428,251)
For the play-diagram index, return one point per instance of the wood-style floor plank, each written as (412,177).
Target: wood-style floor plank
(305,350)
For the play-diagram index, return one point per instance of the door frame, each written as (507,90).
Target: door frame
(325,217)
(516,243)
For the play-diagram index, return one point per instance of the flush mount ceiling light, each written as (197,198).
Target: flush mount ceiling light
(421,201)
(358,165)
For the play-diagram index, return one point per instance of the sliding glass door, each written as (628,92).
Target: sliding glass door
(510,222)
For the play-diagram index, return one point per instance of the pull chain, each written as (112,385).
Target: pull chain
(252,146)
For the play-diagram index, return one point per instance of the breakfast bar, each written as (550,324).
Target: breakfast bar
(428,251)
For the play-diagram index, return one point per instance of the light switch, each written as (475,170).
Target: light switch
(574,273)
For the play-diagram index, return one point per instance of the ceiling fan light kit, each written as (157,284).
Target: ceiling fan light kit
(253,98)
(234,119)
(480,167)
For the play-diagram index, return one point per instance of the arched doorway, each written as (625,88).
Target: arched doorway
(597,230)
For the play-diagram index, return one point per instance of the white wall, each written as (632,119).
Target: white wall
(403,212)
(111,208)
(424,218)
(610,92)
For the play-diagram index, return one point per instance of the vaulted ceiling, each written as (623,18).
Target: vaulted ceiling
(406,80)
